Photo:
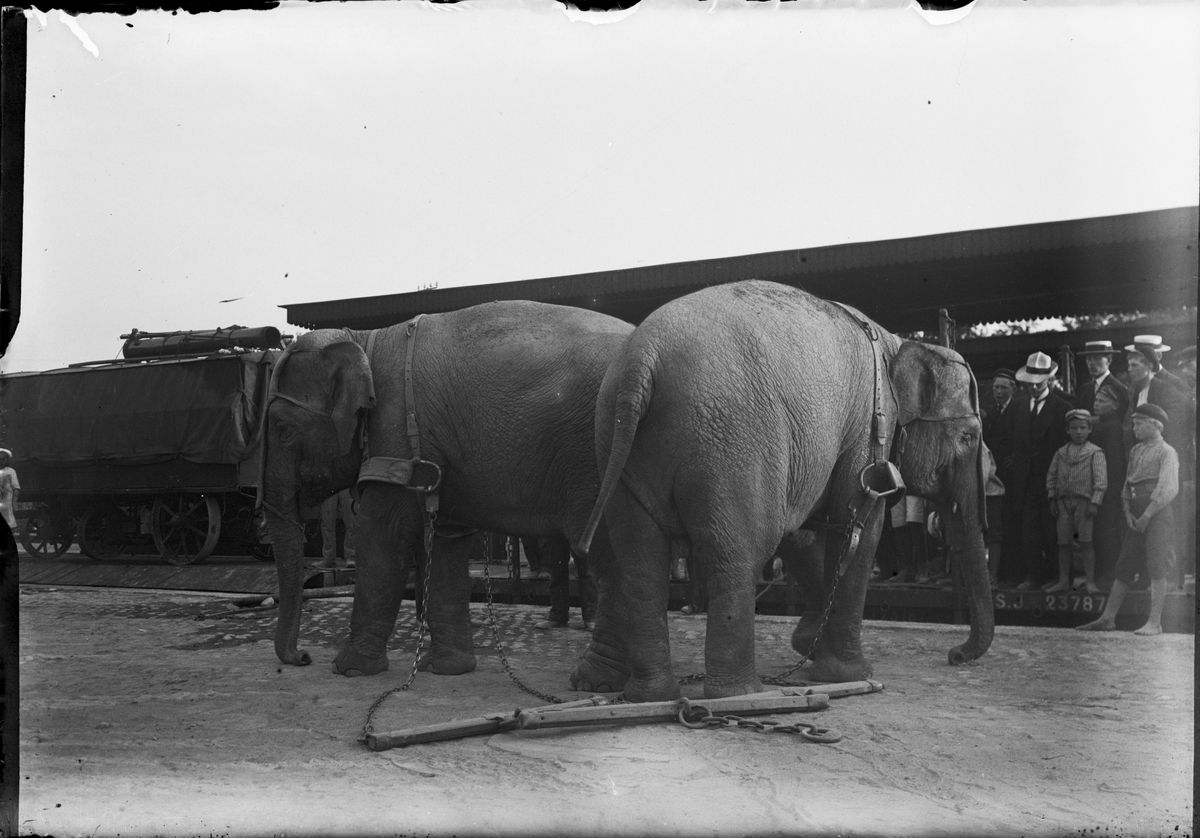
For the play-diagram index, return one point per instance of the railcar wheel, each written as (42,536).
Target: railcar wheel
(185,527)
(101,533)
(46,536)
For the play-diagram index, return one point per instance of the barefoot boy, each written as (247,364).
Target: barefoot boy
(1150,485)
(1075,484)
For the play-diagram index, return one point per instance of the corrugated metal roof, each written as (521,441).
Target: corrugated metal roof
(1083,266)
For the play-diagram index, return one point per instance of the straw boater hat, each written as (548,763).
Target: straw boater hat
(1098,347)
(1037,369)
(1151,346)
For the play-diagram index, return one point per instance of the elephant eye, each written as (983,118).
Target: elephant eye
(288,434)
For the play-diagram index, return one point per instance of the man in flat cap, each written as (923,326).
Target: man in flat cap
(1151,483)
(1039,430)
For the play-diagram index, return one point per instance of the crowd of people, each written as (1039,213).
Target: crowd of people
(1101,483)
(1092,491)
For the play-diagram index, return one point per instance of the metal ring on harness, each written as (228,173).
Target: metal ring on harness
(885,479)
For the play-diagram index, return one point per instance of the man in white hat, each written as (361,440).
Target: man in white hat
(1152,348)
(1098,355)
(1150,383)
(1039,430)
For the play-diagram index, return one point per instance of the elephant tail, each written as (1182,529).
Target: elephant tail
(633,399)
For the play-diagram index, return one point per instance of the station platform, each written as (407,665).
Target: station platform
(922,603)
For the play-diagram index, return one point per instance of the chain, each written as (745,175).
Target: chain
(421,632)
(697,717)
(487,577)
(780,678)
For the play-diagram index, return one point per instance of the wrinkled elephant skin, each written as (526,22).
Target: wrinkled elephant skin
(504,396)
(733,416)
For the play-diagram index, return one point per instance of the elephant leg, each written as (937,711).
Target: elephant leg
(838,655)
(387,532)
(804,558)
(641,583)
(447,609)
(604,667)
(729,657)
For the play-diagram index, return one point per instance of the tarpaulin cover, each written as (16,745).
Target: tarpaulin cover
(198,411)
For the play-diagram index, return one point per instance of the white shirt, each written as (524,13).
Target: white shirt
(1145,391)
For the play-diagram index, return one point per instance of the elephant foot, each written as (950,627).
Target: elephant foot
(598,674)
(717,688)
(658,689)
(447,662)
(829,669)
(803,636)
(352,663)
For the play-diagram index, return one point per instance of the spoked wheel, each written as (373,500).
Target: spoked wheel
(46,536)
(185,527)
(101,533)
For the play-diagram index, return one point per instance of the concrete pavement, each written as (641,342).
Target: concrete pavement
(139,718)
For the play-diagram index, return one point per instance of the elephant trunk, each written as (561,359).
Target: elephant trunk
(966,541)
(287,538)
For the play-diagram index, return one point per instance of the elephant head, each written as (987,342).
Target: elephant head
(940,455)
(320,393)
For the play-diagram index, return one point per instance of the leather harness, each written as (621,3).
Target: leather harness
(398,471)
(879,478)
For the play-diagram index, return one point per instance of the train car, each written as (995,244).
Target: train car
(156,452)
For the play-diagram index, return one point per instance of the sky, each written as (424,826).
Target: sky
(199,171)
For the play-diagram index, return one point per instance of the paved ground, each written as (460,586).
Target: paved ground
(139,719)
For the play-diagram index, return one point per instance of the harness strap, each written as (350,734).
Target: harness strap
(398,471)
(880,478)
(414,435)
(298,403)
(401,472)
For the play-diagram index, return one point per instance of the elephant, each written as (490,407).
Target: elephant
(504,400)
(738,414)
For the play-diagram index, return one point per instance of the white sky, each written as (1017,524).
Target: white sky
(346,150)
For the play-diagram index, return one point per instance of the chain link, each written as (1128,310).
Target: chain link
(367,728)
(487,578)
(698,717)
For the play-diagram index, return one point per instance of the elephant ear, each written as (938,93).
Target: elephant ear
(353,388)
(929,384)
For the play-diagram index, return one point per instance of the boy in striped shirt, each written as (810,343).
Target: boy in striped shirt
(1075,484)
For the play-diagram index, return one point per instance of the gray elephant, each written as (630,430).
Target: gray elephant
(735,415)
(504,401)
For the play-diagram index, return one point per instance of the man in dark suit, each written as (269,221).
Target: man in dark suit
(997,436)
(1039,430)
(1098,355)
